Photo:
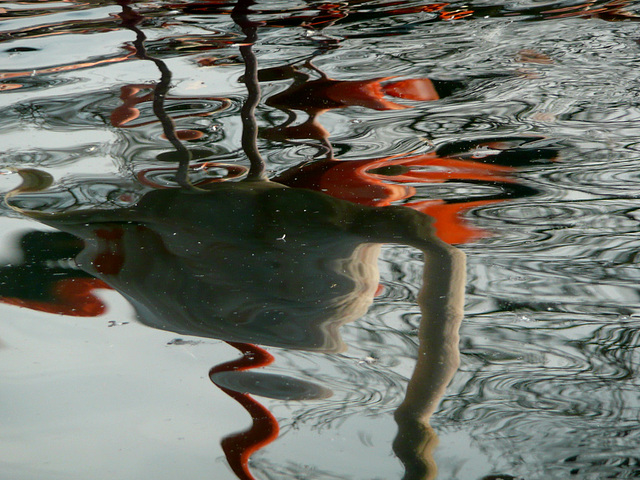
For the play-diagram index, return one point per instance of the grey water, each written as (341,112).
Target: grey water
(511,125)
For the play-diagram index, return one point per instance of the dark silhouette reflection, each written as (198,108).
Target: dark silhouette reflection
(45,280)
(255,262)
(485,162)
(239,261)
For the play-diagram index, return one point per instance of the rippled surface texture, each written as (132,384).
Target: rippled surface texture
(189,273)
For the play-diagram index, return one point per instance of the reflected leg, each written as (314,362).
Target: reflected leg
(441,302)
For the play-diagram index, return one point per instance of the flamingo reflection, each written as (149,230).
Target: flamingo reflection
(214,264)
(256,262)
(134,95)
(260,262)
(397,179)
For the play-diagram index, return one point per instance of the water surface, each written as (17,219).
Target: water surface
(129,281)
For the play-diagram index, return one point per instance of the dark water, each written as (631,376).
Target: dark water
(220,264)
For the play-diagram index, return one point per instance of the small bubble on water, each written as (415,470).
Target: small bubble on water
(356,120)
(368,360)
(524,317)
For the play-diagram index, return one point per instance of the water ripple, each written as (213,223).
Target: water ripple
(548,384)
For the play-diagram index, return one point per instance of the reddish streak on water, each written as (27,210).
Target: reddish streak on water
(264,430)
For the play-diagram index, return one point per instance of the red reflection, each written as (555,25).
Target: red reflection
(323,14)
(381,182)
(135,94)
(388,180)
(264,429)
(317,96)
(70,296)
(111,257)
(611,11)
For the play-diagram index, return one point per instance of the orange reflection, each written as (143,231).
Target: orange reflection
(71,296)
(239,447)
(10,86)
(315,97)
(611,11)
(135,94)
(65,68)
(381,182)
(388,180)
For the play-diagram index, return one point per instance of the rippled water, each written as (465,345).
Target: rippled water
(513,124)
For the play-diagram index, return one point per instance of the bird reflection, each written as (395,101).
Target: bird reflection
(393,179)
(240,260)
(255,262)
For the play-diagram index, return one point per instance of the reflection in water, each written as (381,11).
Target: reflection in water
(239,447)
(248,254)
(514,124)
(379,182)
(133,95)
(45,279)
(257,262)
(383,181)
